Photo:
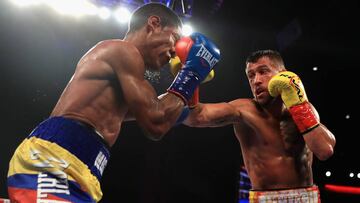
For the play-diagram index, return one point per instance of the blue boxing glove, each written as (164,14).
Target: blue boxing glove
(199,56)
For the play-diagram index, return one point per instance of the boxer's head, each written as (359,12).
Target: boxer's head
(260,67)
(140,16)
(158,29)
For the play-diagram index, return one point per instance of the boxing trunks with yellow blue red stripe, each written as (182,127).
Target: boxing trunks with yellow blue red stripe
(62,160)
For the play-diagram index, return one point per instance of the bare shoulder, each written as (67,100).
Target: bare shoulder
(126,56)
(243,103)
(116,47)
(118,54)
(248,108)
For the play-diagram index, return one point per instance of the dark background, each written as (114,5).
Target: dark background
(40,49)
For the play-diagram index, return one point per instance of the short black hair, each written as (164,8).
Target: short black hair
(271,54)
(141,14)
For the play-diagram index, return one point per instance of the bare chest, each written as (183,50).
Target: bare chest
(266,131)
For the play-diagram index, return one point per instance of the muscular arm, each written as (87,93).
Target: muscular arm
(317,137)
(212,115)
(320,141)
(155,116)
(130,116)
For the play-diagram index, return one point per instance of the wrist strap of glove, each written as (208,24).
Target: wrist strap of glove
(194,99)
(184,114)
(185,84)
(304,117)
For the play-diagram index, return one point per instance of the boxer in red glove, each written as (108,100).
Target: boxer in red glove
(278,130)
(63,158)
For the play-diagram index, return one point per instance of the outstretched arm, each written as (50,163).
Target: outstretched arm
(212,115)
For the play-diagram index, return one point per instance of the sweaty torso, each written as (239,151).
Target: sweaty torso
(274,153)
(94,95)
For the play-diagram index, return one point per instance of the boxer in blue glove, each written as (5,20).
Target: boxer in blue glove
(63,158)
(198,55)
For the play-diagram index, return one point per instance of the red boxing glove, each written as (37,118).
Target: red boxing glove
(182,48)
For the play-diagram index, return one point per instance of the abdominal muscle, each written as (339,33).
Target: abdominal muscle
(277,173)
(272,159)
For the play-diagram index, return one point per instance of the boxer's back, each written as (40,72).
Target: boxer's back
(93,95)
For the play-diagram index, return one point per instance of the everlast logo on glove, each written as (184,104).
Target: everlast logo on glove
(205,54)
(198,55)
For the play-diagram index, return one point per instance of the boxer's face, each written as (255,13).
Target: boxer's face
(259,75)
(160,46)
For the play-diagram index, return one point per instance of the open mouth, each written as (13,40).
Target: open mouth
(259,91)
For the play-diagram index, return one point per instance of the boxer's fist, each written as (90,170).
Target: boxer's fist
(199,55)
(176,65)
(289,86)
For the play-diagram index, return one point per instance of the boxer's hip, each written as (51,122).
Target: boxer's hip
(60,155)
(308,194)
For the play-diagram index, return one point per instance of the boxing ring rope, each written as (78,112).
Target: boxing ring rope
(342,189)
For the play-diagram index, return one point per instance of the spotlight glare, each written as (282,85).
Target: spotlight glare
(347,116)
(26,2)
(328,173)
(358,175)
(187,30)
(73,7)
(122,15)
(315,68)
(88,8)
(351,175)
(104,13)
